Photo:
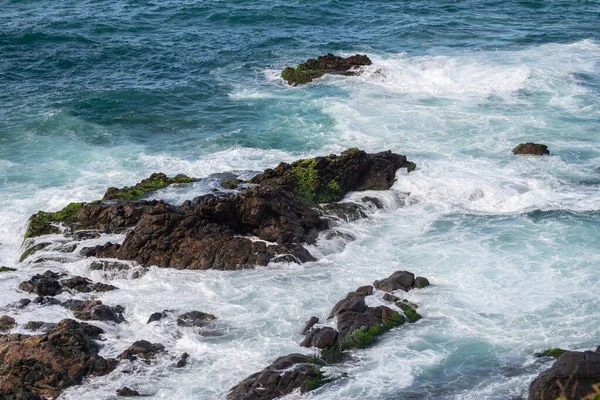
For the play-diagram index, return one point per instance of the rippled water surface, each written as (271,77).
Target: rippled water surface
(98,94)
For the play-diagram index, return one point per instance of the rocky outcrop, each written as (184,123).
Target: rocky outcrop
(327,64)
(94,310)
(154,182)
(572,376)
(328,179)
(142,350)
(283,376)
(356,326)
(536,149)
(268,220)
(195,319)
(213,232)
(108,217)
(48,284)
(44,365)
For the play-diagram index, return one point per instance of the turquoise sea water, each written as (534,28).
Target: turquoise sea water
(98,94)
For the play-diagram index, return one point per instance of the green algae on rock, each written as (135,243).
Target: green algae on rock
(328,64)
(154,182)
(6,269)
(33,249)
(536,149)
(43,223)
(411,314)
(231,183)
(551,353)
(328,179)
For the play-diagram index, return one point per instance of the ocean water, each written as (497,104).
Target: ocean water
(98,94)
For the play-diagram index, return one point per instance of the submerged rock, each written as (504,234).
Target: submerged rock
(572,376)
(126,392)
(94,310)
(536,149)
(142,349)
(6,269)
(328,64)
(84,285)
(45,365)
(156,181)
(283,376)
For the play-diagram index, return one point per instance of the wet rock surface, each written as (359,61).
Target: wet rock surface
(572,376)
(283,376)
(536,149)
(356,326)
(94,310)
(44,365)
(315,68)
(143,350)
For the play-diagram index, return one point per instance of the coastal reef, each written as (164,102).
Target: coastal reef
(314,68)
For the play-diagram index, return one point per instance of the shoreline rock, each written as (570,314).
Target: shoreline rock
(328,64)
(572,376)
(155,182)
(44,365)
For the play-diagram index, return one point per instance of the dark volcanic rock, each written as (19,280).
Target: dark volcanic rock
(42,285)
(194,318)
(182,362)
(143,350)
(126,392)
(85,285)
(286,374)
(157,316)
(320,337)
(328,179)
(309,324)
(154,182)
(572,375)
(94,310)
(108,217)
(328,64)
(7,323)
(207,233)
(44,365)
(402,280)
(535,149)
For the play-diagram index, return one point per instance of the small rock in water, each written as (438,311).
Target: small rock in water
(126,392)
(194,318)
(536,149)
(182,360)
(310,323)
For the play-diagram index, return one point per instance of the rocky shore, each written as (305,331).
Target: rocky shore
(269,218)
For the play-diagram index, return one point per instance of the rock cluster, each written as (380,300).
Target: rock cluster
(43,365)
(357,326)
(327,64)
(269,221)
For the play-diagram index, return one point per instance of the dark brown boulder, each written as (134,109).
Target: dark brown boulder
(283,376)
(320,338)
(142,349)
(327,64)
(94,310)
(84,285)
(536,149)
(108,217)
(399,280)
(43,285)
(309,324)
(44,365)
(572,376)
(195,318)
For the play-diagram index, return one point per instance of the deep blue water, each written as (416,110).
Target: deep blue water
(97,94)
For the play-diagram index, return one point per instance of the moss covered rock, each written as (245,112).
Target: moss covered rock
(6,269)
(231,183)
(328,179)
(329,64)
(551,353)
(154,182)
(536,149)
(411,314)
(45,223)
